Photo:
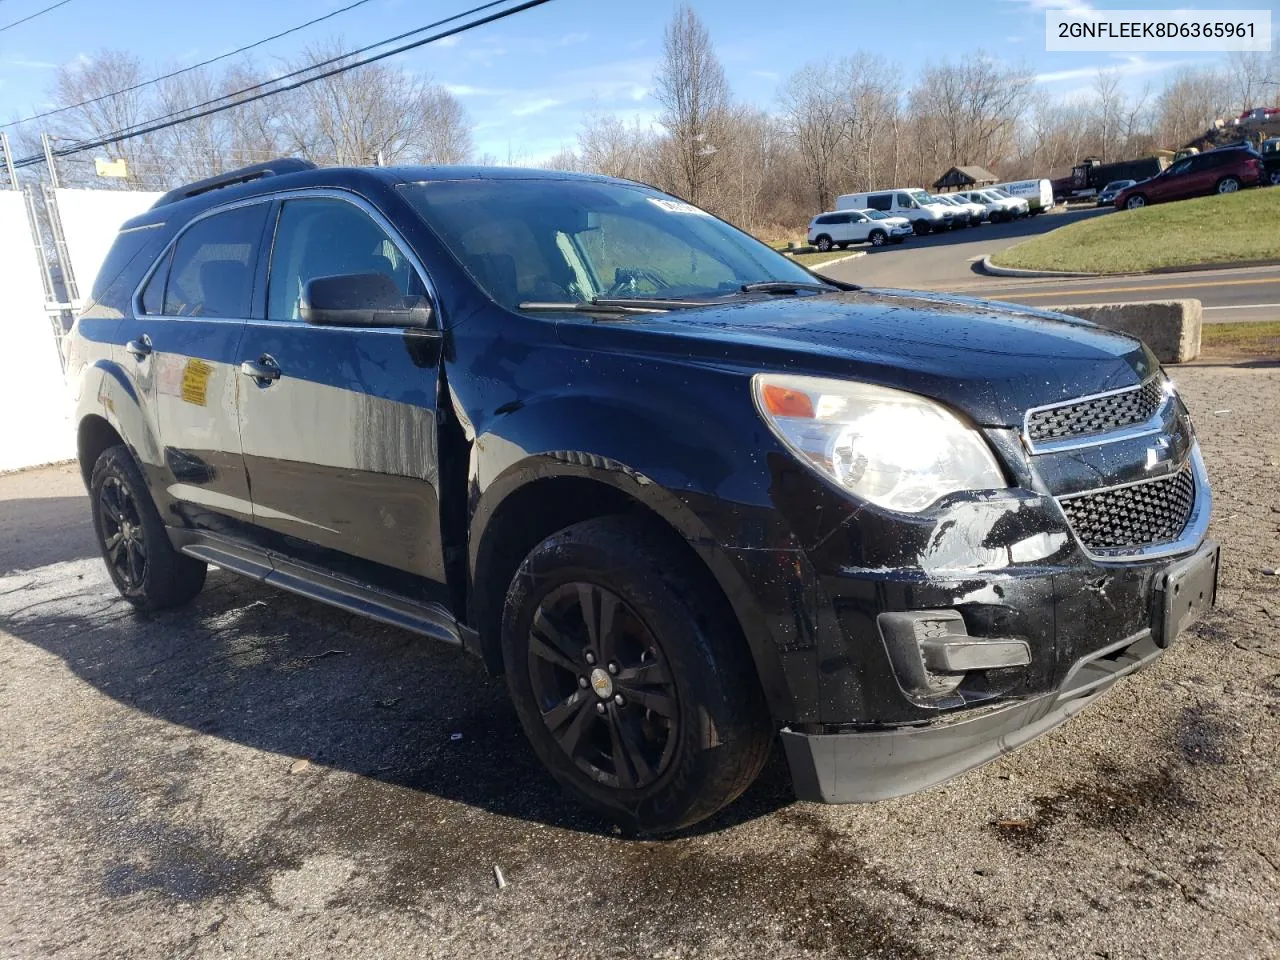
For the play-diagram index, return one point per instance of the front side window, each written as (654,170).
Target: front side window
(328,237)
(212,265)
(556,241)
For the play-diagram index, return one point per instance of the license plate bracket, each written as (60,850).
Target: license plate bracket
(1185,591)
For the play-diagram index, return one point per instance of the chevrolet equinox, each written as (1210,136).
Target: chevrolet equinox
(684,494)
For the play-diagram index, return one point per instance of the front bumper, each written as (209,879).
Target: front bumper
(866,766)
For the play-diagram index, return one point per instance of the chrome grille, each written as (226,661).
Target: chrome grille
(1096,415)
(1136,515)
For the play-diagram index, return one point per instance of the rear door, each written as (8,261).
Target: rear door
(340,441)
(190,315)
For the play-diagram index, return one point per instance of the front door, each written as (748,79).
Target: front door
(340,436)
(189,320)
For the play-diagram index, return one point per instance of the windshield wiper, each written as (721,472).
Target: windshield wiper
(612,305)
(787,286)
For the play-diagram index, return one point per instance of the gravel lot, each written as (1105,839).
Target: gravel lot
(262,776)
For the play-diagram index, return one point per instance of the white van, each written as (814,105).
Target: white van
(1037,193)
(925,213)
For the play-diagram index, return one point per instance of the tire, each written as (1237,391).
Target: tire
(1228,185)
(877,238)
(1273,177)
(143,564)
(922,228)
(824,244)
(664,722)
(1135,202)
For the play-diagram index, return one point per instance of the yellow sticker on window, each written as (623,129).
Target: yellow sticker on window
(195,382)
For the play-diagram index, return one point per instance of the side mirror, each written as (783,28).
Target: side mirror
(361,300)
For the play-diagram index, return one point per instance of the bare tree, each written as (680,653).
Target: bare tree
(609,146)
(1108,110)
(1251,74)
(375,112)
(815,116)
(694,94)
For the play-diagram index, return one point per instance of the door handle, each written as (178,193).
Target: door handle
(140,348)
(263,371)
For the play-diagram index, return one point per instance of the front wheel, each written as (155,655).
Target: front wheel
(921,227)
(630,676)
(878,237)
(1228,185)
(143,564)
(1136,202)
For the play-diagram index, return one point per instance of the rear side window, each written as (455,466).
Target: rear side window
(153,295)
(829,218)
(212,265)
(880,201)
(128,258)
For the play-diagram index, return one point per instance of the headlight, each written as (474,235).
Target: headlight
(892,448)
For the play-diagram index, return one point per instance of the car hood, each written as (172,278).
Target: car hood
(991,360)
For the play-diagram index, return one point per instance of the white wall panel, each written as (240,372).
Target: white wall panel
(35,408)
(90,221)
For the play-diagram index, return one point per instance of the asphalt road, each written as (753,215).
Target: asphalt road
(257,775)
(950,262)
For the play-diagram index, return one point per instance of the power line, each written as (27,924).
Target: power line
(154,127)
(316,66)
(175,73)
(9,26)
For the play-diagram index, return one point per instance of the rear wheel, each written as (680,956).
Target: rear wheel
(877,238)
(143,564)
(823,243)
(630,678)
(1274,177)
(1228,185)
(1135,202)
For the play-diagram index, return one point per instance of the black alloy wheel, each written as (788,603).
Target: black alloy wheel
(603,686)
(142,561)
(124,540)
(630,674)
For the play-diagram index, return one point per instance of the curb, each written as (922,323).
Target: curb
(993,270)
(832,263)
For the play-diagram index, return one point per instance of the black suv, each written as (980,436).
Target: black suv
(682,492)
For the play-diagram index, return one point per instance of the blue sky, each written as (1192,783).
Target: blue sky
(528,82)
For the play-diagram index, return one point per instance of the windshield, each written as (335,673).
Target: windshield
(1117,185)
(877,215)
(532,240)
(1002,193)
(919,196)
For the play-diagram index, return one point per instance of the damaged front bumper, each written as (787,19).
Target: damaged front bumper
(867,765)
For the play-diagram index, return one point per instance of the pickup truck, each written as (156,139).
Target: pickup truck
(689,498)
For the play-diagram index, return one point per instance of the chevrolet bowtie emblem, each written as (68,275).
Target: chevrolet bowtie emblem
(1155,454)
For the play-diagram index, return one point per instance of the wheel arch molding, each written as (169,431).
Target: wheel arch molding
(106,400)
(545,493)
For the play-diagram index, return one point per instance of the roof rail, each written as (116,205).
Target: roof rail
(257,171)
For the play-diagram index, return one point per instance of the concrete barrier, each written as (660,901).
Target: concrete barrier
(1171,328)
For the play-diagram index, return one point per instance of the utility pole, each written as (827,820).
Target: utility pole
(8,160)
(48,159)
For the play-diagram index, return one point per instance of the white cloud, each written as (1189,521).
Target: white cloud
(535,106)
(1132,66)
(31,64)
(766,74)
(452,41)
(569,39)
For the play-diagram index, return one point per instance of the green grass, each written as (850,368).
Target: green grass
(1217,229)
(1253,339)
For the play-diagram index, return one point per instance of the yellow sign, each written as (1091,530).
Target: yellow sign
(111,168)
(195,382)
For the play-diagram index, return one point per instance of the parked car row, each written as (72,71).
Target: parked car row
(890,216)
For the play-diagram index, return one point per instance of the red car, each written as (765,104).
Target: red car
(1224,170)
